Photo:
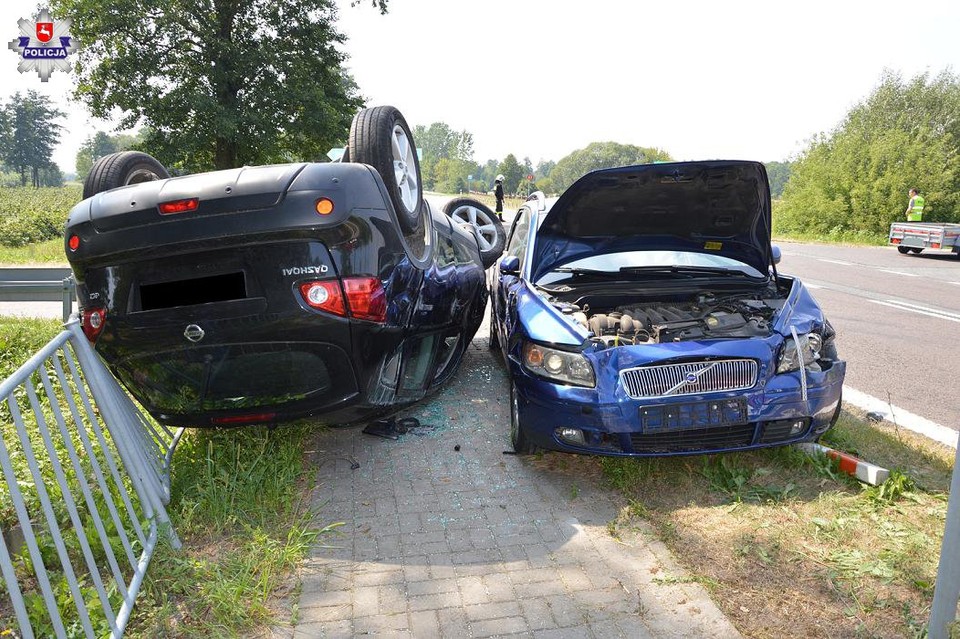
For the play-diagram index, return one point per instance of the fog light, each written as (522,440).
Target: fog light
(570,435)
(797,427)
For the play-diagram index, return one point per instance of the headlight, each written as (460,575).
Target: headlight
(563,366)
(810,345)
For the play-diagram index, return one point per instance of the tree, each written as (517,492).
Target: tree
(451,175)
(601,155)
(100,144)
(778,173)
(438,142)
(220,83)
(854,181)
(33,130)
(489,173)
(512,173)
(544,167)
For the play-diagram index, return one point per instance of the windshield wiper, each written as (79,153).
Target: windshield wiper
(687,270)
(586,271)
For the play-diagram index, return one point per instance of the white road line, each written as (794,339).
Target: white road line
(813,286)
(954,283)
(840,262)
(899,273)
(901,417)
(925,308)
(912,308)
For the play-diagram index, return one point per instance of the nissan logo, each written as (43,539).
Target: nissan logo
(193,333)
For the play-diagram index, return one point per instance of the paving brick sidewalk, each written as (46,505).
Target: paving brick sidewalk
(439,542)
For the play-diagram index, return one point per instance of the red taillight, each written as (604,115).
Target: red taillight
(935,245)
(74,242)
(179,206)
(324,296)
(895,240)
(244,419)
(366,298)
(92,322)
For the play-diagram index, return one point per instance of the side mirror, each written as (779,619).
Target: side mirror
(510,265)
(776,254)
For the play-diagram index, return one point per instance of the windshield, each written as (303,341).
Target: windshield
(631,262)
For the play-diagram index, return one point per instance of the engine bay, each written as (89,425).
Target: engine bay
(704,315)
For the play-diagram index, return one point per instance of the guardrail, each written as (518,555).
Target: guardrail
(87,481)
(38,285)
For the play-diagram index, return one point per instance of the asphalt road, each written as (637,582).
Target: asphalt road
(897,318)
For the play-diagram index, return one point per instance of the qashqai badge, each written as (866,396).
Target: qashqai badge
(193,333)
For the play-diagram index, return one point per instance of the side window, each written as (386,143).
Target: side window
(518,237)
(463,254)
(446,255)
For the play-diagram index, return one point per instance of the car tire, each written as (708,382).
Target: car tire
(120,169)
(381,138)
(916,251)
(521,445)
(491,236)
(903,249)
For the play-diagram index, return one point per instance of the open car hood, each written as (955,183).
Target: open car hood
(717,207)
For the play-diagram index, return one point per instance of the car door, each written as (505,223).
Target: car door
(504,287)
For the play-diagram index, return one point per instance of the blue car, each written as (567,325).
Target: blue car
(641,314)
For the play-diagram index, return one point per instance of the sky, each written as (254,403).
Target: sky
(541,78)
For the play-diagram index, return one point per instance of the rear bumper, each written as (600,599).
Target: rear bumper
(773,416)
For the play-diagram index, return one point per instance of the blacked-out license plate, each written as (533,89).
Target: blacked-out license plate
(722,412)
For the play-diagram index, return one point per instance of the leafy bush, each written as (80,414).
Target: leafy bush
(29,215)
(853,182)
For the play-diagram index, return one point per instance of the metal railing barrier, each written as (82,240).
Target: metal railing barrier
(87,480)
(38,285)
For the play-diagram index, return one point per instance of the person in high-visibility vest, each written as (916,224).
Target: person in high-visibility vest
(915,207)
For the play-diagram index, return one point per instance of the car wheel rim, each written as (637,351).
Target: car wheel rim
(405,168)
(481,222)
(141,175)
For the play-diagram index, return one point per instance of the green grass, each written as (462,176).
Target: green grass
(48,252)
(837,237)
(793,540)
(237,504)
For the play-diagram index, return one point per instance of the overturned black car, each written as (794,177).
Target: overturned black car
(263,294)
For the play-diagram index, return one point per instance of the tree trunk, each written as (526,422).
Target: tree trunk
(226,154)
(23,176)
(227,85)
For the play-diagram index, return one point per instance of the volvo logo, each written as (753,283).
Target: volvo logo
(692,377)
(193,333)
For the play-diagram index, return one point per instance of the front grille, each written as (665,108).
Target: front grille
(699,440)
(689,378)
